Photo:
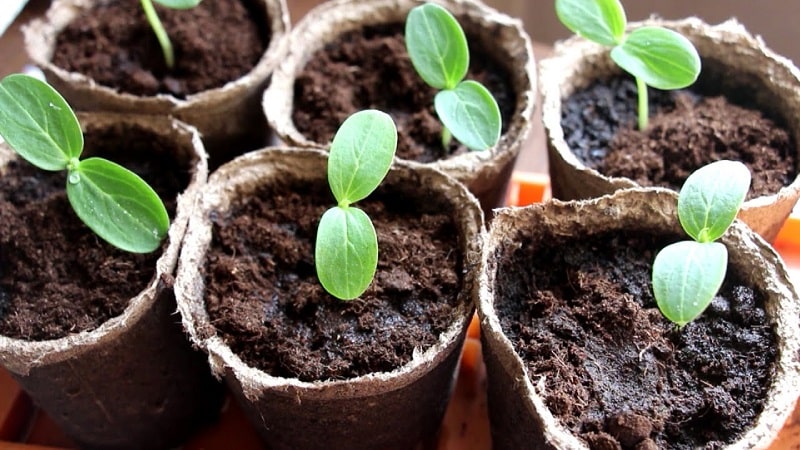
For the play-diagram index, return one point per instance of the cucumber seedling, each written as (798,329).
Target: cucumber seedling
(439,53)
(112,201)
(346,248)
(688,274)
(158,27)
(655,56)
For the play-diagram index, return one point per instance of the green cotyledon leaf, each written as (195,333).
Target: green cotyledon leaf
(471,114)
(601,21)
(711,197)
(686,277)
(37,122)
(436,45)
(662,58)
(117,205)
(361,153)
(346,252)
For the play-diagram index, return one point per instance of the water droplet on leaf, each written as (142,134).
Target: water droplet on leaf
(74,178)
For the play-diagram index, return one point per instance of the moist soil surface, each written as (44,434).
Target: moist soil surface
(616,372)
(56,276)
(686,131)
(215,42)
(263,296)
(370,68)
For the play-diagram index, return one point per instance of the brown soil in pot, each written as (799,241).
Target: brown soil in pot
(214,43)
(371,68)
(263,296)
(48,255)
(686,131)
(615,372)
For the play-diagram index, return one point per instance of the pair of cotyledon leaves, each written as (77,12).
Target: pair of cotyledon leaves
(688,274)
(662,58)
(112,201)
(655,56)
(346,249)
(438,50)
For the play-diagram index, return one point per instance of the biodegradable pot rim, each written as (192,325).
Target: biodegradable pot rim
(20,356)
(659,206)
(249,169)
(40,36)
(327,21)
(728,40)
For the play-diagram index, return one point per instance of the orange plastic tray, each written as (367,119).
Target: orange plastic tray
(465,426)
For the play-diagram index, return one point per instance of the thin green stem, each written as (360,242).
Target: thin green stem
(161,33)
(446,138)
(641,87)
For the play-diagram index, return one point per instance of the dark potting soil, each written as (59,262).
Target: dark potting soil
(56,276)
(264,298)
(214,43)
(616,372)
(686,131)
(371,68)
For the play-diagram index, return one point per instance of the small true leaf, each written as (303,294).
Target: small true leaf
(471,114)
(346,253)
(118,205)
(361,154)
(661,57)
(686,277)
(37,122)
(710,199)
(178,4)
(601,21)
(437,46)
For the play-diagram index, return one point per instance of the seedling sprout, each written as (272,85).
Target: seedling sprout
(688,274)
(655,56)
(112,201)
(438,50)
(158,27)
(346,252)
